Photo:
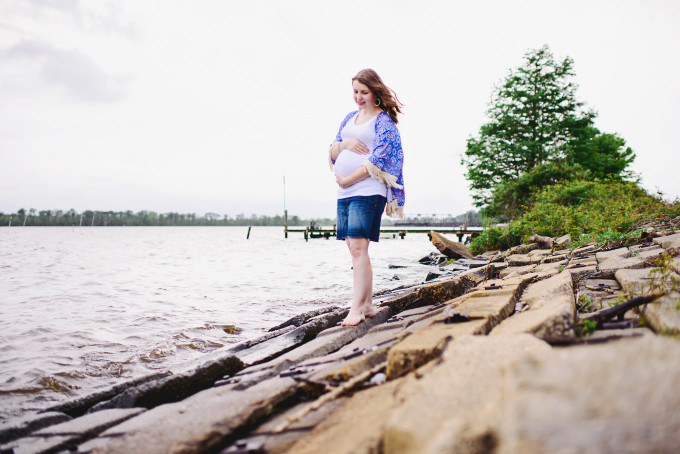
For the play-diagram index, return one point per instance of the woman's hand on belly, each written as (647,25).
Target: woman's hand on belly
(342,181)
(356,146)
(358,175)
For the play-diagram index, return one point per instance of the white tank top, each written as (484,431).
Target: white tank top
(348,161)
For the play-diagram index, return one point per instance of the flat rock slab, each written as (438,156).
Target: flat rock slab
(281,344)
(425,345)
(199,423)
(275,443)
(603,256)
(19,427)
(515,394)
(555,258)
(547,269)
(363,416)
(175,387)
(68,434)
(454,402)
(669,241)
(620,262)
(472,263)
(608,398)
(81,405)
(516,271)
(663,314)
(540,253)
(451,288)
(633,281)
(551,310)
(328,341)
(521,260)
(580,270)
(583,250)
(435,292)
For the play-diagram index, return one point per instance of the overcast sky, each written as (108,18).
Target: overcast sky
(203,105)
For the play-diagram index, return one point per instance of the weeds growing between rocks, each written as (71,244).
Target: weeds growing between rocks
(603,212)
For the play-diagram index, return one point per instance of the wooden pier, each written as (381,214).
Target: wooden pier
(315,231)
(394,231)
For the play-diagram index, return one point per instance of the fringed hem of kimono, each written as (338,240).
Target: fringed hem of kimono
(384,177)
(393,209)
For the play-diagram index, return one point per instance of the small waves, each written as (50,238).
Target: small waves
(48,383)
(89,308)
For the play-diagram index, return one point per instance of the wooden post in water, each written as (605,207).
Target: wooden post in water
(285,223)
(248,236)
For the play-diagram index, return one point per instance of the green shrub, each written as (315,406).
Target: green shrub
(594,208)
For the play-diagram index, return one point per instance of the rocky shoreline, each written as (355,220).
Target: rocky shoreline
(540,348)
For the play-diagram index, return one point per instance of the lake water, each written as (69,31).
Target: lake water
(85,308)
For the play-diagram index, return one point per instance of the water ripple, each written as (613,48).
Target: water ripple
(83,309)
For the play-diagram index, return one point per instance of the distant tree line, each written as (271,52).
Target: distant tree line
(68,218)
(33,217)
(471,218)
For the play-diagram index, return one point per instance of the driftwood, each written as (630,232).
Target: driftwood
(620,309)
(563,341)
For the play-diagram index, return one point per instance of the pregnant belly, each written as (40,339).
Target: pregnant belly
(348,161)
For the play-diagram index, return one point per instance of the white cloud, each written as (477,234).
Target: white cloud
(203,106)
(70,70)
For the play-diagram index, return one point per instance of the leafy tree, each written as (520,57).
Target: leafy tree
(603,155)
(535,119)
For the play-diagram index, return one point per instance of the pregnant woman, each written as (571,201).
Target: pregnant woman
(367,160)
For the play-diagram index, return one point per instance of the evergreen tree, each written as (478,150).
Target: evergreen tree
(534,118)
(538,134)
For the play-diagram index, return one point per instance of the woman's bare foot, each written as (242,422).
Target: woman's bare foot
(353,319)
(368,310)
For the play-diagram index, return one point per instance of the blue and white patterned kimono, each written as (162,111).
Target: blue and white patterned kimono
(386,161)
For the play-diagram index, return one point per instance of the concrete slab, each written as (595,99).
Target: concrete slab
(426,344)
(555,258)
(520,260)
(541,253)
(603,256)
(585,249)
(328,341)
(633,281)
(617,263)
(516,271)
(175,387)
(551,310)
(19,427)
(70,433)
(200,423)
(668,241)
(608,398)
(364,417)
(664,314)
(452,406)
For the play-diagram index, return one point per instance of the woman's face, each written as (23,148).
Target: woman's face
(362,95)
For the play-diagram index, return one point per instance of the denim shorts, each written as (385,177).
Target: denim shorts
(359,217)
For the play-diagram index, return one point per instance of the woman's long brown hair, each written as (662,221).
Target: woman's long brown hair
(389,102)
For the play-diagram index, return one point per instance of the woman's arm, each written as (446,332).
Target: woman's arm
(359,174)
